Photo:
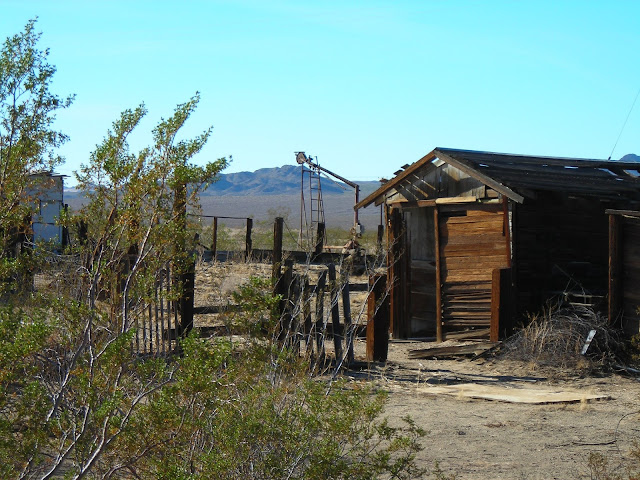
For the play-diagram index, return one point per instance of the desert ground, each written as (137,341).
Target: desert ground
(494,435)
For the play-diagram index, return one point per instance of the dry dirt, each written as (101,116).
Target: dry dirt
(482,439)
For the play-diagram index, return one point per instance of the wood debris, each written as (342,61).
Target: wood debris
(466,350)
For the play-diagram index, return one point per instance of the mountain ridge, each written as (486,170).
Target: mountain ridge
(277,181)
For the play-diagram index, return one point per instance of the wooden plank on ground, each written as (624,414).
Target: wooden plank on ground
(452,351)
(469,334)
(528,395)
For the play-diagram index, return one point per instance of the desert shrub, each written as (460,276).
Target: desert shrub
(236,416)
(77,402)
(556,337)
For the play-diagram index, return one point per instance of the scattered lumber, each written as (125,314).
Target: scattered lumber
(500,393)
(467,350)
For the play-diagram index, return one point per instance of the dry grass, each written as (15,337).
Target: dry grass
(555,339)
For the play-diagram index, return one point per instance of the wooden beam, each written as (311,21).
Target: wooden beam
(248,244)
(490,182)
(349,329)
(628,213)
(495,305)
(378,319)
(335,313)
(454,200)
(506,228)
(397,180)
(214,239)
(439,335)
(615,268)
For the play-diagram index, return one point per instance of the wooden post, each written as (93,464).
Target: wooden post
(296,311)
(377,320)
(65,229)
(380,237)
(397,275)
(494,331)
(284,310)
(439,329)
(187,279)
(615,269)
(505,228)
(214,239)
(83,233)
(306,312)
(248,243)
(320,326)
(335,312)
(502,307)
(320,237)
(346,310)
(278,226)
(184,267)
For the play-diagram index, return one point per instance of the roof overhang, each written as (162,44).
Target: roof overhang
(519,176)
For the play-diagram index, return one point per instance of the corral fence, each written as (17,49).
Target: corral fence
(303,320)
(315,316)
(159,318)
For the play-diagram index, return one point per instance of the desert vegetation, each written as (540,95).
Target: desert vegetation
(76,401)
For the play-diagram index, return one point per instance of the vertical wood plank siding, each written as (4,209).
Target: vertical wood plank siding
(561,244)
(630,275)
(472,244)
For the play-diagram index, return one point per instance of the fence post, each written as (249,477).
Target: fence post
(306,313)
(335,312)
(278,227)
(187,299)
(320,324)
(320,237)
(284,311)
(248,243)
(214,239)
(377,319)
(501,303)
(346,309)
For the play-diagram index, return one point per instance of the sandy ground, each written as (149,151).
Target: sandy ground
(483,439)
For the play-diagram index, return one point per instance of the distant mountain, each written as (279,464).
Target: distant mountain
(258,194)
(283,180)
(630,157)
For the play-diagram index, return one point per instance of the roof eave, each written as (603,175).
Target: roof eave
(395,181)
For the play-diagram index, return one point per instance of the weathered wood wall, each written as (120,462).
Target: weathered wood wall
(421,237)
(560,244)
(473,242)
(624,273)
(398,273)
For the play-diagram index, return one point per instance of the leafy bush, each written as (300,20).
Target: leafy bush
(77,402)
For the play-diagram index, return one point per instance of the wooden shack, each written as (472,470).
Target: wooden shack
(624,270)
(477,239)
(45,191)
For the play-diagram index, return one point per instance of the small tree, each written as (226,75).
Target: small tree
(137,205)
(28,141)
(75,402)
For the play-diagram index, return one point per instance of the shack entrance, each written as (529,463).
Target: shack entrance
(475,238)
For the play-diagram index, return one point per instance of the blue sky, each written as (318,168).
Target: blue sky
(367,86)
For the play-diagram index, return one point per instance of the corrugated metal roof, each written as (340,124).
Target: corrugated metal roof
(515,176)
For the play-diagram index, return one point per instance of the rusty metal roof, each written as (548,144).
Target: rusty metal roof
(517,176)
